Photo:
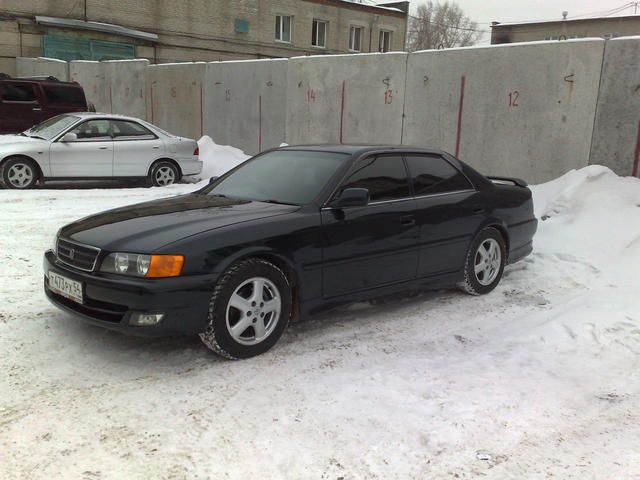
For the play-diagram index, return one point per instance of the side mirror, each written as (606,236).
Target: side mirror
(69,137)
(351,197)
(213,180)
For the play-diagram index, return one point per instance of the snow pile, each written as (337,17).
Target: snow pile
(539,379)
(218,159)
(594,214)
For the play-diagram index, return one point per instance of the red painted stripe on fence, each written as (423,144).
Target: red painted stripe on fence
(151,103)
(636,158)
(259,123)
(460,109)
(201,113)
(342,111)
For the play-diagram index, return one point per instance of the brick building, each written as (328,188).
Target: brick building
(196,30)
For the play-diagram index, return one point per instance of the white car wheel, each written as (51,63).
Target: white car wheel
(19,173)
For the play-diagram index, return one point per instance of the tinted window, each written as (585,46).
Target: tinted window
(17,92)
(65,95)
(92,129)
(286,176)
(123,128)
(385,177)
(433,174)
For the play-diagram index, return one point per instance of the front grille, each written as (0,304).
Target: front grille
(77,255)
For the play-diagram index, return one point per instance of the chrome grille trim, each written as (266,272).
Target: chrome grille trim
(88,253)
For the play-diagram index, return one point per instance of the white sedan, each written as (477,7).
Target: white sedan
(92,146)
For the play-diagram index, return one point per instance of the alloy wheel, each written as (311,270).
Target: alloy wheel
(253,311)
(20,175)
(487,261)
(165,176)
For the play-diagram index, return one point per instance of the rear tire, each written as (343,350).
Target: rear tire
(249,310)
(163,173)
(484,263)
(19,173)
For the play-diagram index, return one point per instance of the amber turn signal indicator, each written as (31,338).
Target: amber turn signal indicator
(162,266)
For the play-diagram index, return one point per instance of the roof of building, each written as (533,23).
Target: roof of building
(569,20)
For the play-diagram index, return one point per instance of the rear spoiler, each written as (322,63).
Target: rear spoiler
(508,181)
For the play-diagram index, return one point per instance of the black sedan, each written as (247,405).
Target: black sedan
(290,233)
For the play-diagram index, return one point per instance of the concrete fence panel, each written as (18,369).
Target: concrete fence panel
(346,98)
(125,85)
(523,110)
(90,75)
(616,135)
(176,98)
(245,103)
(36,67)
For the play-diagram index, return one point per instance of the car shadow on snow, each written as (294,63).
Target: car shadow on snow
(116,347)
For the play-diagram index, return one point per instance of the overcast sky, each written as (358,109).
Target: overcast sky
(486,11)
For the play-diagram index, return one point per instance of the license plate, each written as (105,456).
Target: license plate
(66,287)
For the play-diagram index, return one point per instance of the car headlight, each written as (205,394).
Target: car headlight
(140,265)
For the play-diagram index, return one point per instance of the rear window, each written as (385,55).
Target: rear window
(17,92)
(65,95)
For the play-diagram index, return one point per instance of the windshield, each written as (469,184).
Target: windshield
(283,176)
(52,127)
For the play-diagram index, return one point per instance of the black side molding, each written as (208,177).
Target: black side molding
(508,181)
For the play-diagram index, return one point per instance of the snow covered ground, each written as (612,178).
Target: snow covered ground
(539,379)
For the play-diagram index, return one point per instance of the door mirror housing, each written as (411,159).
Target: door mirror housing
(351,197)
(213,180)
(69,137)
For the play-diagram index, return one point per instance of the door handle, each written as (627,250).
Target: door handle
(156,146)
(36,109)
(103,148)
(408,221)
(479,210)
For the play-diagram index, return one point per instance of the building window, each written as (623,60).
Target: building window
(385,41)
(319,34)
(283,28)
(355,38)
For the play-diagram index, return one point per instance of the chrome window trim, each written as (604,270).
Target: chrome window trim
(441,194)
(91,247)
(404,199)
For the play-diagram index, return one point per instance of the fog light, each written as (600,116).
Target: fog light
(146,319)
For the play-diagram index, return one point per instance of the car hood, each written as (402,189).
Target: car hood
(18,140)
(146,227)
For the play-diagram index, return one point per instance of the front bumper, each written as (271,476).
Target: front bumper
(110,300)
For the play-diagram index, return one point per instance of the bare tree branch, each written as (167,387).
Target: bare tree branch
(441,25)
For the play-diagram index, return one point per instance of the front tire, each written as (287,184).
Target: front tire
(485,262)
(19,173)
(163,173)
(249,310)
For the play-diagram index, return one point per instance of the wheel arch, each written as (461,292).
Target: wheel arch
(23,156)
(166,159)
(501,228)
(282,262)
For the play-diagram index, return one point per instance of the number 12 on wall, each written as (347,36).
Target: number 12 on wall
(513,98)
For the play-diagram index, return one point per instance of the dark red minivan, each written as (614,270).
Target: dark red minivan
(27,101)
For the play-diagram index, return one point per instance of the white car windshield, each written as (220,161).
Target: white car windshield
(51,127)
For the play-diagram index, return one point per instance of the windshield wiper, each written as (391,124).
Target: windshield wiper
(278,202)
